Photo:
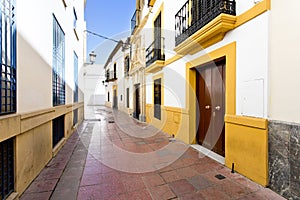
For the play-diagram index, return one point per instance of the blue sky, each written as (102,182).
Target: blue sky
(108,18)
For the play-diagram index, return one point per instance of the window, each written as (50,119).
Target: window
(58,66)
(127,97)
(58,130)
(126,66)
(8,73)
(115,70)
(108,96)
(75,77)
(6,168)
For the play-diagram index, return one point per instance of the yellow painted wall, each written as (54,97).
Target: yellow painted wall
(33,152)
(173,121)
(246,145)
(33,139)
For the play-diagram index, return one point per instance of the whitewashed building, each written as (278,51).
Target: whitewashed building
(118,90)
(42,50)
(219,75)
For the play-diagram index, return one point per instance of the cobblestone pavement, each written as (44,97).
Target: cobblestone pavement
(114,157)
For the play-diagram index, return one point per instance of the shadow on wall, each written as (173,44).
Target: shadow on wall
(96,100)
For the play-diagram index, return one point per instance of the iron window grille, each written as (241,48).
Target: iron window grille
(6,168)
(8,69)
(75,77)
(58,68)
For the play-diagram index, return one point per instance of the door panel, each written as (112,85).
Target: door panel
(211,99)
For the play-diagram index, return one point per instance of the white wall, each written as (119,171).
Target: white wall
(34,50)
(251,67)
(284,61)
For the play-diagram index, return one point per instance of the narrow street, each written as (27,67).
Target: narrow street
(114,157)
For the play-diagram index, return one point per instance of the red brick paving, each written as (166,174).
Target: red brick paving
(191,176)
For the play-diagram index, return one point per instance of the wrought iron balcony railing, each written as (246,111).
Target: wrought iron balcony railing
(110,76)
(135,20)
(156,51)
(197,13)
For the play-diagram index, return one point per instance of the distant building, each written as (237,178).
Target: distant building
(221,74)
(42,50)
(117,82)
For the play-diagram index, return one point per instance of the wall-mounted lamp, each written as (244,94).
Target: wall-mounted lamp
(92,57)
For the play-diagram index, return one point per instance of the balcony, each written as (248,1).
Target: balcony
(155,54)
(151,3)
(110,76)
(135,21)
(199,21)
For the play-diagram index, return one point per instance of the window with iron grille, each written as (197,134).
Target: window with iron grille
(8,61)
(75,77)
(6,168)
(126,65)
(58,66)
(58,130)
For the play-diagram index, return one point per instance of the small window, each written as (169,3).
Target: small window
(121,97)
(108,96)
(75,117)
(6,168)
(58,130)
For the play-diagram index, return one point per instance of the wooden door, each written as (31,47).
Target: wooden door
(137,109)
(211,99)
(157,98)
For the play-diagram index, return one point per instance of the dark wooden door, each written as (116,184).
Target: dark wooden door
(137,108)
(211,99)
(157,98)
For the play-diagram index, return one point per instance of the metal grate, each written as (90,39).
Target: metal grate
(220,176)
(8,72)
(6,168)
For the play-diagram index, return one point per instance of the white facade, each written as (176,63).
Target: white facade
(252,60)
(35,43)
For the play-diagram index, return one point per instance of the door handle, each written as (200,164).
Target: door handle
(207,107)
(218,107)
